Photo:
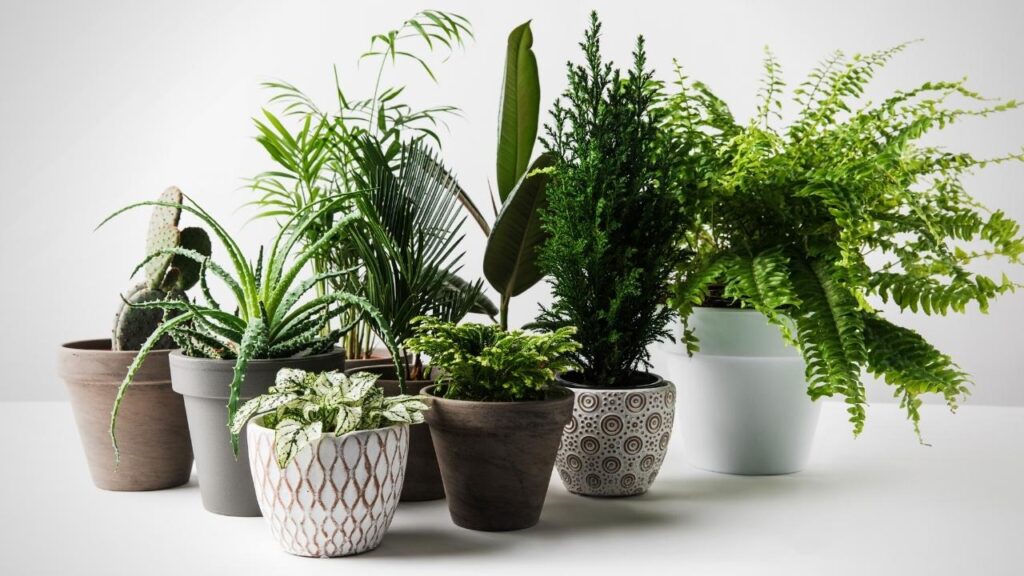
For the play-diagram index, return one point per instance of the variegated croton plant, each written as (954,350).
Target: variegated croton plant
(303,406)
(270,318)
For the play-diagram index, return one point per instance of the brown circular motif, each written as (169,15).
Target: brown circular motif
(627,480)
(663,441)
(572,426)
(653,423)
(593,480)
(588,402)
(574,462)
(611,425)
(633,445)
(590,445)
(647,463)
(611,465)
(635,402)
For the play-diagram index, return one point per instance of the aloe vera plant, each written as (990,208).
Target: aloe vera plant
(270,320)
(303,406)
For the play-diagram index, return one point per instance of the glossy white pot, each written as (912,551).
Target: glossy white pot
(744,407)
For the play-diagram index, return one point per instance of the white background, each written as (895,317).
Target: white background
(105,103)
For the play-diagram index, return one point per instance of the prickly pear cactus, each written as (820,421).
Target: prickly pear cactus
(168,276)
(132,325)
(163,234)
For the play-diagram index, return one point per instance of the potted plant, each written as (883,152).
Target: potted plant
(156,452)
(406,241)
(496,417)
(612,231)
(805,229)
(227,357)
(328,455)
(315,150)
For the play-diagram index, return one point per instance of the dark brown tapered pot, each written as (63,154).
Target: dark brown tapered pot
(496,457)
(378,358)
(422,475)
(152,431)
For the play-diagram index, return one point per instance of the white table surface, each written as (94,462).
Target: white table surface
(880,504)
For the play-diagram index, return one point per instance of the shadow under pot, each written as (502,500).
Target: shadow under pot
(152,432)
(496,457)
(337,497)
(225,482)
(422,476)
(617,439)
(744,396)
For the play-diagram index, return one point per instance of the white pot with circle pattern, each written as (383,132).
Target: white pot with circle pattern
(337,497)
(617,438)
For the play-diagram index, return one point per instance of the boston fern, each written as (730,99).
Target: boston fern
(303,406)
(805,224)
(612,219)
(270,317)
(483,362)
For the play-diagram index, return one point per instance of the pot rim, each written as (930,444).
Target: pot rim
(180,356)
(89,346)
(658,383)
(257,422)
(566,394)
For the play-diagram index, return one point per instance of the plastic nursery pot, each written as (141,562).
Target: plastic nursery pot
(616,441)
(745,406)
(496,457)
(224,481)
(337,497)
(151,429)
(422,476)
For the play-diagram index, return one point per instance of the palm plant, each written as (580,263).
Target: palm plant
(408,242)
(270,319)
(314,160)
(806,224)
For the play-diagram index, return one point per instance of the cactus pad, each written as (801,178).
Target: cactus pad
(186,270)
(163,234)
(132,326)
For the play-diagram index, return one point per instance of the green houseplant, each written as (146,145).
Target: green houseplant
(496,417)
(612,220)
(156,452)
(810,225)
(226,357)
(407,241)
(315,149)
(312,431)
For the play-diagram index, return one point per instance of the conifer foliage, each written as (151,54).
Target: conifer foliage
(611,215)
(806,224)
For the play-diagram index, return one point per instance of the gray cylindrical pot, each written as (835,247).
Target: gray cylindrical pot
(151,429)
(225,482)
(422,475)
(496,457)
(617,439)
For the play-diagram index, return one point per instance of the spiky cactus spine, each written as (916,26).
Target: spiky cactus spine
(168,276)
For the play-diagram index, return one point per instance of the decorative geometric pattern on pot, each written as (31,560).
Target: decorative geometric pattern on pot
(616,441)
(338,496)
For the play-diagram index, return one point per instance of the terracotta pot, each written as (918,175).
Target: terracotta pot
(224,480)
(151,430)
(617,438)
(496,457)
(336,497)
(422,476)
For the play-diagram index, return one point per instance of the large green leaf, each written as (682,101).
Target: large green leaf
(510,261)
(520,106)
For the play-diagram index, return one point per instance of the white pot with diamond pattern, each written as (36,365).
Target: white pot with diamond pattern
(337,496)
